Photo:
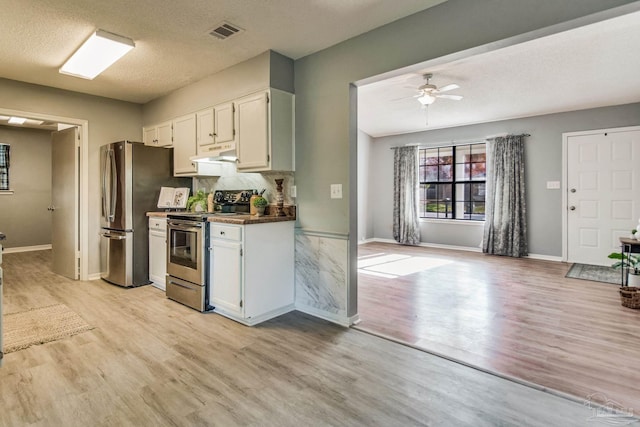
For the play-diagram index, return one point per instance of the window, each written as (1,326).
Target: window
(4,167)
(452,182)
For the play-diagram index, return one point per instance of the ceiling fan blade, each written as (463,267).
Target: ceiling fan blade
(454,97)
(446,88)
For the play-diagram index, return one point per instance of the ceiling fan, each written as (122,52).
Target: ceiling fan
(429,92)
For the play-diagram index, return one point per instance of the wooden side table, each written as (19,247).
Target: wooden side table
(628,246)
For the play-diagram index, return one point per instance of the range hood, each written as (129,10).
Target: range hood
(217,153)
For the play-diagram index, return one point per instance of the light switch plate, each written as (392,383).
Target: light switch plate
(553,185)
(292,191)
(336,191)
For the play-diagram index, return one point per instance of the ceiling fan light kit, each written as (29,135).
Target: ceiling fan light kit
(429,92)
(427,99)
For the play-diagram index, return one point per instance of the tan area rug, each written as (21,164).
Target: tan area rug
(40,325)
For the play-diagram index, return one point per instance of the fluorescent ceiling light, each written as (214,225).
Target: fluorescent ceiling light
(97,54)
(17,120)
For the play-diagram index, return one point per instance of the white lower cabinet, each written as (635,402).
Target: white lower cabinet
(158,252)
(251,270)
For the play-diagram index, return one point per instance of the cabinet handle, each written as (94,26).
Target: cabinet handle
(211,134)
(222,233)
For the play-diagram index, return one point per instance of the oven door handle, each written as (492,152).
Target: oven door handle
(186,225)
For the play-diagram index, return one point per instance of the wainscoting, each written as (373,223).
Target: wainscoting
(321,275)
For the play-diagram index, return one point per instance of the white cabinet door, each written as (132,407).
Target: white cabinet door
(165,134)
(149,136)
(160,135)
(157,258)
(184,144)
(204,128)
(225,289)
(158,252)
(224,123)
(253,132)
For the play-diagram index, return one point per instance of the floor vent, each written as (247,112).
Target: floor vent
(225,30)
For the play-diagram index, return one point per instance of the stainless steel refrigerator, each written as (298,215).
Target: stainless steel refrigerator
(131,175)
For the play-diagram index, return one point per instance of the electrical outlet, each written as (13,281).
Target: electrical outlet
(292,191)
(336,191)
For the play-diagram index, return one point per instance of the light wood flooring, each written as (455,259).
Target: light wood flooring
(518,317)
(153,362)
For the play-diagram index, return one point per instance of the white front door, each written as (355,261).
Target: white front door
(603,192)
(64,202)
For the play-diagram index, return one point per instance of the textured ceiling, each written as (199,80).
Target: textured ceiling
(173,47)
(591,66)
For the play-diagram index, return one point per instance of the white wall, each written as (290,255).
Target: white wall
(24,217)
(543,162)
(366,188)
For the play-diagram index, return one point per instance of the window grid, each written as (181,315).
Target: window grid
(452,182)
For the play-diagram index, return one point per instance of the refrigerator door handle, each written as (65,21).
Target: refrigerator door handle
(113,236)
(114,183)
(105,214)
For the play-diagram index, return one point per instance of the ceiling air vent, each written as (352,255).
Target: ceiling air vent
(225,30)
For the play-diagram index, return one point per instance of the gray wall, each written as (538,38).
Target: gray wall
(543,162)
(23,215)
(367,189)
(269,69)
(324,129)
(109,120)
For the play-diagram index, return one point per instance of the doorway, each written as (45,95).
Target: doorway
(600,194)
(80,195)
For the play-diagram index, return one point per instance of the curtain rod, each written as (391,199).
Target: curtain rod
(459,141)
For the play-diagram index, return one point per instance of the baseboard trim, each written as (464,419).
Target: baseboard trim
(94,276)
(459,248)
(325,315)
(26,249)
(425,245)
(545,257)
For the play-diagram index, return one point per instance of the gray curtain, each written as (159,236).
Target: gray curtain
(406,229)
(4,166)
(505,227)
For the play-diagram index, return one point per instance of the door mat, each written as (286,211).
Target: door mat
(40,325)
(596,273)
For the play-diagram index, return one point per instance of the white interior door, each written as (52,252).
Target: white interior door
(65,160)
(603,193)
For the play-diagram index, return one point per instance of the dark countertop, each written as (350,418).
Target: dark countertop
(241,219)
(250,219)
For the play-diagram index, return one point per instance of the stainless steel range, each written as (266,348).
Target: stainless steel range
(188,250)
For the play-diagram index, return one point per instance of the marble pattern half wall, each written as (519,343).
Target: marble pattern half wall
(321,276)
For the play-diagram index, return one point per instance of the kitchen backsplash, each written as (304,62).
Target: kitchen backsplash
(246,181)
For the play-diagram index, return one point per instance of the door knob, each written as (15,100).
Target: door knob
(572,208)
(573,190)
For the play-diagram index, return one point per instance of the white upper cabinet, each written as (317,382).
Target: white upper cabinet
(216,128)
(159,135)
(265,132)
(224,123)
(184,145)
(204,128)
